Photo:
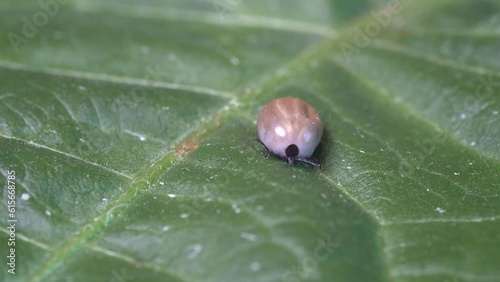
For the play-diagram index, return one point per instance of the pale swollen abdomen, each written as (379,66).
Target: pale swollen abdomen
(290,128)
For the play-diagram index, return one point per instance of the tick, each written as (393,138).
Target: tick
(290,129)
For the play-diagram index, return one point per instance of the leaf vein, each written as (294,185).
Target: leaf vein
(115,79)
(238,20)
(33,144)
(413,53)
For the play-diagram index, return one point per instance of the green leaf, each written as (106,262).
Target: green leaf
(127,130)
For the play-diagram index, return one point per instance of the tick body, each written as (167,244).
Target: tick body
(290,129)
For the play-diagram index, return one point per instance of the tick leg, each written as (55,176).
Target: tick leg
(309,161)
(267,150)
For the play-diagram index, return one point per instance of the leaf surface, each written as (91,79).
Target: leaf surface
(130,129)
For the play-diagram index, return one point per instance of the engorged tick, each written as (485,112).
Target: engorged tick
(290,129)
